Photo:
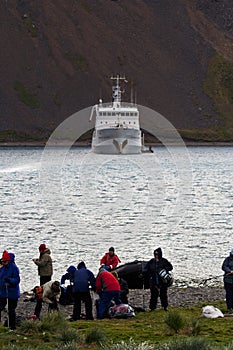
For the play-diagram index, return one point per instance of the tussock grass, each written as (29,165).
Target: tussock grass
(69,335)
(229,346)
(29,326)
(68,346)
(175,321)
(53,322)
(187,344)
(95,335)
(16,347)
(131,345)
(195,327)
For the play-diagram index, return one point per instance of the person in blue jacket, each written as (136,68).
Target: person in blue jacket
(66,297)
(69,275)
(83,280)
(9,287)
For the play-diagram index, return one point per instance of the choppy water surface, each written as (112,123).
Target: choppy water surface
(80,204)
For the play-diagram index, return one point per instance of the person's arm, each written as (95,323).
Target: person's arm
(92,280)
(168,266)
(65,277)
(225,266)
(103,260)
(42,261)
(115,261)
(98,285)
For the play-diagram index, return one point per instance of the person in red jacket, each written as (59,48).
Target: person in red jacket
(110,259)
(108,288)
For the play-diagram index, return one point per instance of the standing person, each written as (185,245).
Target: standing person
(158,287)
(108,288)
(110,259)
(44,263)
(83,280)
(9,287)
(227,267)
(50,295)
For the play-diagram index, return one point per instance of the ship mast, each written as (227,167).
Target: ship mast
(117,90)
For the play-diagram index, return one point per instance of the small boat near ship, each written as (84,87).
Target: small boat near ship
(117,127)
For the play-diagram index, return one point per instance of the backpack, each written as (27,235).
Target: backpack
(121,311)
(38,291)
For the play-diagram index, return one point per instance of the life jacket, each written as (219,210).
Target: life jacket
(38,291)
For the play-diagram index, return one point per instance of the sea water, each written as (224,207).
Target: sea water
(79,204)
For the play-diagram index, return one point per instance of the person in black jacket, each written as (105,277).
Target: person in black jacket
(158,286)
(227,267)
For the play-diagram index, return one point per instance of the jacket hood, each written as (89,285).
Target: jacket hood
(12,256)
(81,265)
(46,251)
(159,251)
(71,269)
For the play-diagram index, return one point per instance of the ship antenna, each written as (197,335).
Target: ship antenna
(131,92)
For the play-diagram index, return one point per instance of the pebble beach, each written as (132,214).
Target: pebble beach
(178,297)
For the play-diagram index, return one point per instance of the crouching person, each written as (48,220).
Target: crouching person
(9,287)
(50,295)
(108,288)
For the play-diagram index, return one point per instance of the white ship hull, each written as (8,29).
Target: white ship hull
(117,146)
(117,141)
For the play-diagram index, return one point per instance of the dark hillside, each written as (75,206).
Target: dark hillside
(57,57)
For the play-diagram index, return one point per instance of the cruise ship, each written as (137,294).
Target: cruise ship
(117,127)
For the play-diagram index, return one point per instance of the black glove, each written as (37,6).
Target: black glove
(6,279)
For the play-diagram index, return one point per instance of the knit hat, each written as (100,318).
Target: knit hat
(42,248)
(6,256)
(56,286)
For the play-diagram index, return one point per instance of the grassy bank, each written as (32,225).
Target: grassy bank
(179,328)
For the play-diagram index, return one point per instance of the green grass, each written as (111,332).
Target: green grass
(30,26)
(218,86)
(26,96)
(148,330)
(79,62)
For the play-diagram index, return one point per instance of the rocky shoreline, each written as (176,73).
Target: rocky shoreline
(179,297)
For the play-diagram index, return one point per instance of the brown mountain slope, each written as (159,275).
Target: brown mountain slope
(57,57)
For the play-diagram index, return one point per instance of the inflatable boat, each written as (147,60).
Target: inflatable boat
(134,274)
